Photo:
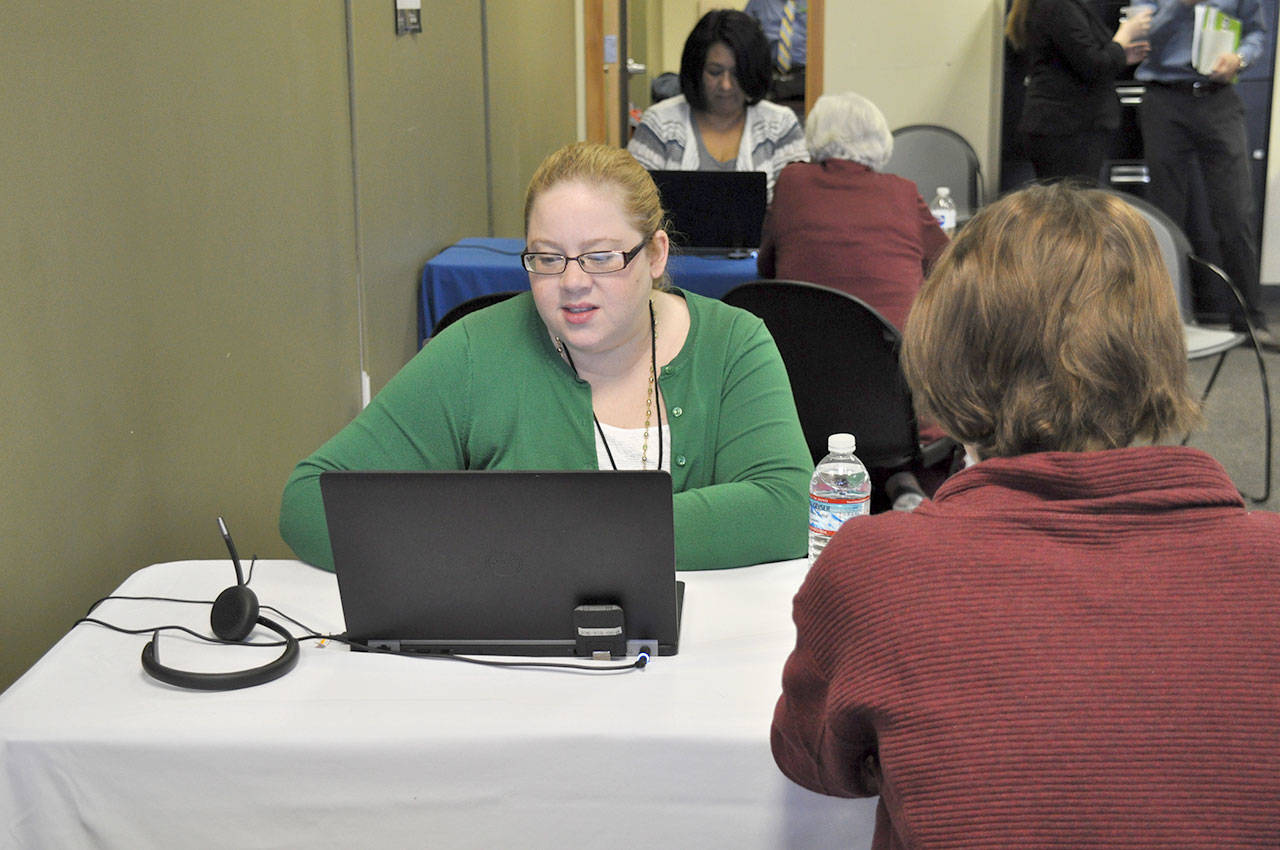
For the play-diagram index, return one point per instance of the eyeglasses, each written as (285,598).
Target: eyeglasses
(595,262)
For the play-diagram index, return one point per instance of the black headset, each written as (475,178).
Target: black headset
(234,614)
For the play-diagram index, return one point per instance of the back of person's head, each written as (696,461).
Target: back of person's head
(1050,324)
(848,126)
(742,34)
(604,166)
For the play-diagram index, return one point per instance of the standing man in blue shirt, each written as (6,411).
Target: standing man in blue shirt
(1191,119)
(785,23)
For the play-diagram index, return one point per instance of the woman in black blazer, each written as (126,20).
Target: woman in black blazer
(1071,108)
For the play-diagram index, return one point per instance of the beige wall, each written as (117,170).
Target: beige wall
(1271,221)
(937,63)
(420,165)
(533,104)
(183,254)
(215,217)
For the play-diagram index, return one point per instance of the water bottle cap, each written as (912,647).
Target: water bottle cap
(844,443)
(943,191)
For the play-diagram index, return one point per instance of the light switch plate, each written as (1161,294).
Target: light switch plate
(408,16)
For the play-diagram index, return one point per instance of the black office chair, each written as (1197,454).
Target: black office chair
(470,306)
(1191,274)
(842,359)
(934,156)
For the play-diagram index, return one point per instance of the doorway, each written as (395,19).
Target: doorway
(630,42)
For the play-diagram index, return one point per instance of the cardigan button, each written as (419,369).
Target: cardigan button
(681,460)
(677,411)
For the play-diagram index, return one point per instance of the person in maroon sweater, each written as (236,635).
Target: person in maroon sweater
(1076,643)
(838,222)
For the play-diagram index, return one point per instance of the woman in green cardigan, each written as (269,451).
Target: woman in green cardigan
(601,365)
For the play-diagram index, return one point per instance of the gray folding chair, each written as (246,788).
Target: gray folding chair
(1188,273)
(934,156)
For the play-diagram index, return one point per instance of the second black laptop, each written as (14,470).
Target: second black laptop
(714,212)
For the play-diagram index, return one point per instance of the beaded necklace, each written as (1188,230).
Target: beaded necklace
(648,401)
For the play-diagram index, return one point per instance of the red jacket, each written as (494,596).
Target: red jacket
(842,225)
(1062,649)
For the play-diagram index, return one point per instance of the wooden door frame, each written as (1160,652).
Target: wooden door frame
(815,38)
(593,65)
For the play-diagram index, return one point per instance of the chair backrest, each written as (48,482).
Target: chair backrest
(1175,248)
(842,359)
(470,306)
(935,156)
(665,85)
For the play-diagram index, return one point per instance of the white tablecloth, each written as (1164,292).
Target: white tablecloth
(359,750)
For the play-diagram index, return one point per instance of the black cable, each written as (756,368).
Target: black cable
(184,601)
(657,391)
(642,659)
(176,628)
(640,663)
(311,633)
(146,599)
(657,388)
(490,249)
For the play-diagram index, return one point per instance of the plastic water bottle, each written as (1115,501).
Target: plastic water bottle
(944,210)
(840,489)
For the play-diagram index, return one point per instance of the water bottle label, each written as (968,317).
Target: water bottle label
(946,219)
(826,514)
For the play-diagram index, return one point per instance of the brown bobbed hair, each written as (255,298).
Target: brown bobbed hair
(1050,324)
(603,165)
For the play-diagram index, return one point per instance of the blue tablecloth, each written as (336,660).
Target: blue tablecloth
(478,266)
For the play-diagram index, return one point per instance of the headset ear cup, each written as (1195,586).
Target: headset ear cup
(234,614)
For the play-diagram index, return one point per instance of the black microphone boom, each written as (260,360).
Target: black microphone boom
(234,614)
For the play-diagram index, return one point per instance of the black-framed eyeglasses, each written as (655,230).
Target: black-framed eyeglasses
(593,262)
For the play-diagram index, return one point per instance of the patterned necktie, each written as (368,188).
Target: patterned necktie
(785,28)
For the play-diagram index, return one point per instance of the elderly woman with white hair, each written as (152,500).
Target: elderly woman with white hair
(838,222)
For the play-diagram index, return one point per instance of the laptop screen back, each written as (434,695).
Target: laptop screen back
(495,562)
(713,211)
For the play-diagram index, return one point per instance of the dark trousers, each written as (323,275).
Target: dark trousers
(1075,155)
(1184,129)
(787,85)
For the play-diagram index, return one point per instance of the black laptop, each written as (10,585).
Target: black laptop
(504,562)
(714,212)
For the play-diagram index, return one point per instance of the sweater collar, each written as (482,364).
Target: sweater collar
(1142,478)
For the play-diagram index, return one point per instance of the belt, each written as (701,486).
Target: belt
(1195,88)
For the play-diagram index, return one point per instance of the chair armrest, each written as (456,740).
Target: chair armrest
(940,450)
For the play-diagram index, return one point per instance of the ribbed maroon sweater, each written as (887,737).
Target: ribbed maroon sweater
(1061,650)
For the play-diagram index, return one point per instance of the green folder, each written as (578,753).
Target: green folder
(1215,33)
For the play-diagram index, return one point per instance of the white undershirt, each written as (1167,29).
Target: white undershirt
(625,443)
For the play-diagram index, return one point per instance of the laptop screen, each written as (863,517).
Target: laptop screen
(495,562)
(713,211)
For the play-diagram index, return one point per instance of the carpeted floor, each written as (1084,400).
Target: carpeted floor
(1234,422)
